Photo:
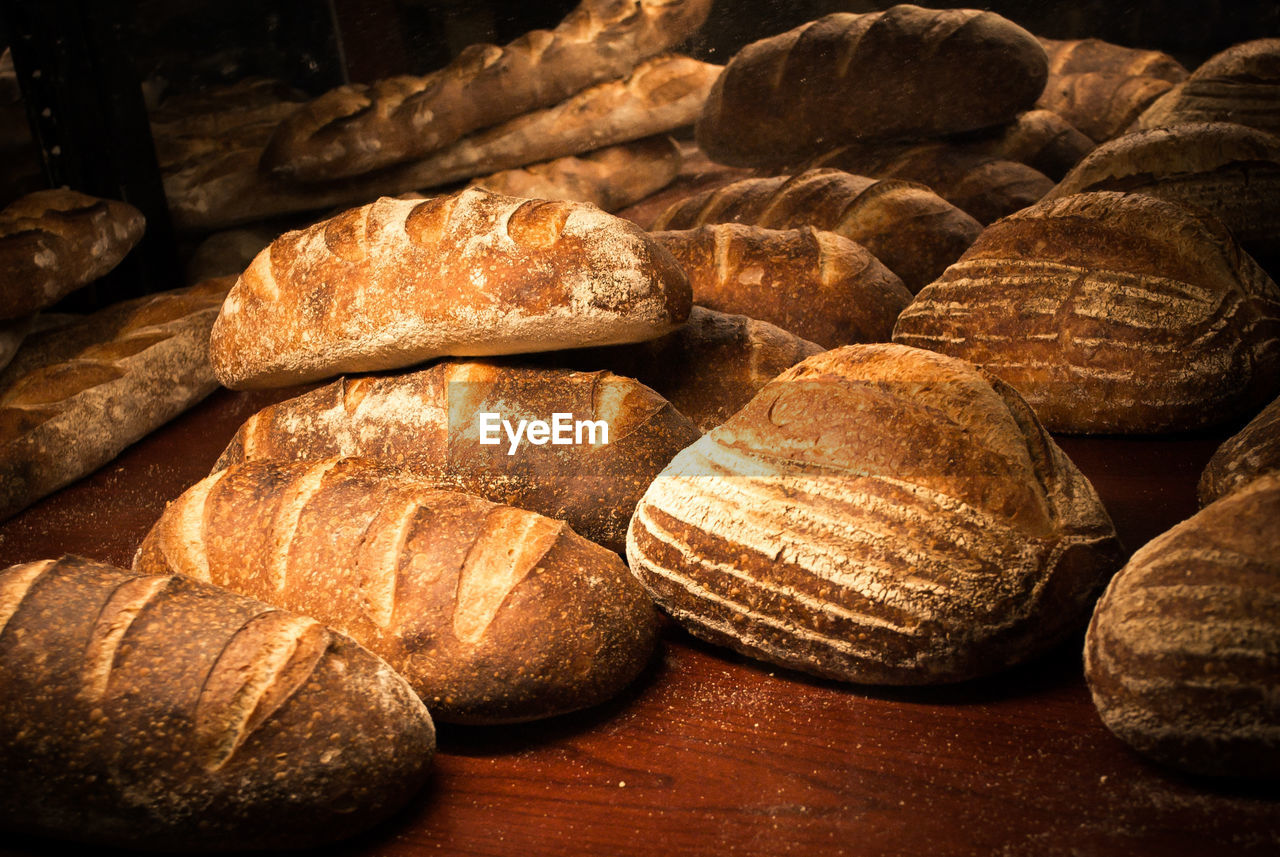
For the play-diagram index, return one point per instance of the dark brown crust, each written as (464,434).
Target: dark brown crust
(1181,655)
(1041,139)
(906,73)
(493,614)
(1241,84)
(1242,458)
(356,129)
(158,712)
(55,241)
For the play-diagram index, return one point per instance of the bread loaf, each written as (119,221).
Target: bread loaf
(157,712)
(905,73)
(908,227)
(397,282)
(1250,453)
(356,129)
(698,173)
(1229,170)
(1041,139)
(984,187)
(1101,88)
(428,421)
(1182,651)
(52,242)
(493,614)
(1240,84)
(12,332)
(1110,312)
(75,396)
(707,368)
(609,178)
(816,284)
(876,514)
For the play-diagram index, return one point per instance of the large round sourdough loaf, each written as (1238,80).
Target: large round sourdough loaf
(1243,457)
(428,421)
(1183,653)
(819,285)
(904,73)
(1110,312)
(158,712)
(877,514)
(1240,84)
(397,282)
(493,614)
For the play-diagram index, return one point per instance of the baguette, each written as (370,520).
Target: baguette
(1101,88)
(985,187)
(902,74)
(398,282)
(1181,654)
(818,285)
(356,129)
(707,368)
(74,397)
(907,226)
(876,514)
(609,178)
(1240,84)
(426,421)
(156,712)
(1248,454)
(492,614)
(1134,315)
(52,242)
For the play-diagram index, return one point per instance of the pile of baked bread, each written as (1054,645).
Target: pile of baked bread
(818,369)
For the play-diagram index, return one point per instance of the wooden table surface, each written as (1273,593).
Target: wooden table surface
(711,754)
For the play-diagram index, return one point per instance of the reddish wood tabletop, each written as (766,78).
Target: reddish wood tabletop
(709,753)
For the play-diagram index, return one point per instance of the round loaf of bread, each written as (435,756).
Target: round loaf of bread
(1240,84)
(1183,653)
(1243,457)
(877,514)
(157,712)
(398,282)
(493,614)
(904,73)
(1110,312)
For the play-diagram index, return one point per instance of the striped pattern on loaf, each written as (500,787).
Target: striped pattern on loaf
(1241,84)
(398,282)
(160,713)
(1183,652)
(907,226)
(1246,455)
(492,614)
(1110,312)
(877,514)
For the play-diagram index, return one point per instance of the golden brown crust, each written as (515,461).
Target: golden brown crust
(906,73)
(398,282)
(55,241)
(1041,139)
(161,713)
(1181,653)
(905,225)
(1110,312)
(356,129)
(1240,84)
(493,614)
(876,514)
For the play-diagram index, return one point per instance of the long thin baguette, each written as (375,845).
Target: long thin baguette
(493,614)
(356,129)
(76,396)
(156,712)
(398,282)
(55,241)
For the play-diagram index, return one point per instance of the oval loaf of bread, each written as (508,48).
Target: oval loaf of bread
(397,282)
(905,73)
(816,284)
(428,422)
(1183,653)
(158,712)
(1041,139)
(52,242)
(905,225)
(493,614)
(1243,457)
(1110,312)
(877,514)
